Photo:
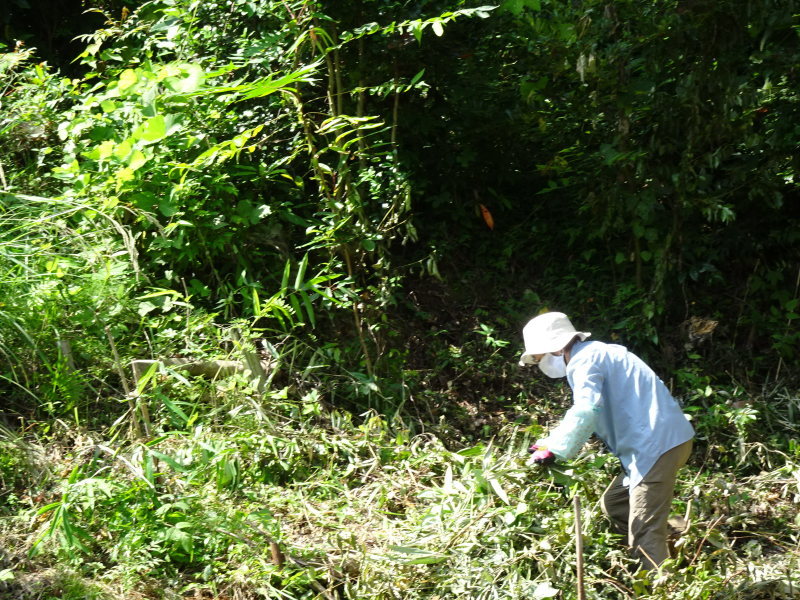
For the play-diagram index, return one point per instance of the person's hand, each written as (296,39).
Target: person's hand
(542,456)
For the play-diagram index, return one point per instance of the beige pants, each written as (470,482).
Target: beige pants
(642,512)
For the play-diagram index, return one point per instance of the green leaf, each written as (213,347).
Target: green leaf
(545,590)
(127,79)
(309,308)
(286,272)
(145,308)
(301,273)
(268,86)
(296,306)
(448,479)
(184,540)
(416,29)
(153,130)
(47,508)
(173,408)
(498,489)
(159,293)
(473,451)
(137,160)
(167,209)
(431,559)
(418,556)
(149,374)
(73,476)
(123,150)
(562,477)
(438,29)
(123,175)
(189,79)
(105,149)
(147,468)
(513,6)
(168,459)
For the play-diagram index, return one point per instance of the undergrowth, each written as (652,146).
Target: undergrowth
(288,497)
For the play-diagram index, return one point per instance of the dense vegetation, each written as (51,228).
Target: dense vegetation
(328,221)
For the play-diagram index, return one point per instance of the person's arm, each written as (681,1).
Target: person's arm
(578,423)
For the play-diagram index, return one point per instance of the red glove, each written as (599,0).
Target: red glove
(542,456)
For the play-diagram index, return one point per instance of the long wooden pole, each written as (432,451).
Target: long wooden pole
(579,547)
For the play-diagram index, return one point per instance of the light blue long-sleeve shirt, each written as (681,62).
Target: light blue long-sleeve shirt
(618,397)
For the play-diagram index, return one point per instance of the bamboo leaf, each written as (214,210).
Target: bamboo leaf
(498,489)
(268,86)
(418,556)
(301,273)
(296,307)
(173,408)
(46,509)
(309,308)
(146,378)
(158,293)
(285,281)
(169,460)
(448,479)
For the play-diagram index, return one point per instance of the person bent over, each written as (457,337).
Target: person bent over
(620,399)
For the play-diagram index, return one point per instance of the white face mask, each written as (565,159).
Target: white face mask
(553,366)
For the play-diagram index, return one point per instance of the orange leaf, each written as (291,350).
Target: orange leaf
(487,216)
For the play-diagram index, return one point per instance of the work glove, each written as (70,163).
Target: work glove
(542,456)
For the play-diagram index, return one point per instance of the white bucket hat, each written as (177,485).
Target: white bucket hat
(547,333)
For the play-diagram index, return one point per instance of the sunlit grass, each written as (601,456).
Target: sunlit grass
(331,505)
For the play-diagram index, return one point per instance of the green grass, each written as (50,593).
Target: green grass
(361,508)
